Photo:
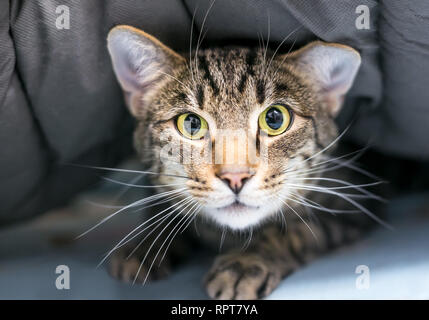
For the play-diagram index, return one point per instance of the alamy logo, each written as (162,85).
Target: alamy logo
(63,280)
(63,19)
(232,147)
(363,280)
(362,21)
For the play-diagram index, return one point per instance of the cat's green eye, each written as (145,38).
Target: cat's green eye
(192,126)
(275,120)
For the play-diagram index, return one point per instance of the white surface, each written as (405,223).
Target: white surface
(398,262)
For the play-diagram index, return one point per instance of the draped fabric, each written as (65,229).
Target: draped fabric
(60,102)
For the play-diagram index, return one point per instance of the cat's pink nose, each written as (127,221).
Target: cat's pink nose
(235,180)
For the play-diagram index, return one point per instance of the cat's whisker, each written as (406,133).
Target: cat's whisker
(174,207)
(195,213)
(170,193)
(301,218)
(312,173)
(142,186)
(262,48)
(183,226)
(190,46)
(325,148)
(317,166)
(261,42)
(115,199)
(134,204)
(197,232)
(285,57)
(248,241)
(153,243)
(351,195)
(311,170)
(356,168)
(312,204)
(137,210)
(268,41)
(222,239)
(197,49)
(349,200)
(283,220)
(102,205)
(312,217)
(278,48)
(344,185)
(166,200)
(319,187)
(180,82)
(158,223)
(355,155)
(183,207)
(126,188)
(200,39)
(127,238)
(127,171)
(305,203)
(306,174)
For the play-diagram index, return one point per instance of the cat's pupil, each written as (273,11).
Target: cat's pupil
(274,118)
(192,124)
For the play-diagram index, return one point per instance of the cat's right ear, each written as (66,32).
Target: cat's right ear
(141,63)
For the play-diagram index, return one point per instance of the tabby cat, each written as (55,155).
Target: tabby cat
(237,141)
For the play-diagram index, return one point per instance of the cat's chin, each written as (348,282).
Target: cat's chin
(237,216)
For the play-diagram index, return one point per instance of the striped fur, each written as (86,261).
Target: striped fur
(229,87)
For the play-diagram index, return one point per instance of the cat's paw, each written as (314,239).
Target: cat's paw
(130,269)
(241,276)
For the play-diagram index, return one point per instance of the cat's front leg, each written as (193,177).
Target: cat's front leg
(252,273)
(257,271)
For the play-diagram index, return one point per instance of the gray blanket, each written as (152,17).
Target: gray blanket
(60,102)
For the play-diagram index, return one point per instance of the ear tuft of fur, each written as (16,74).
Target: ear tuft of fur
(139,60)
(334,68)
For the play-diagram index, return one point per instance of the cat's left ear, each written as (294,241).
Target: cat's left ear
(332,66)
(141,63)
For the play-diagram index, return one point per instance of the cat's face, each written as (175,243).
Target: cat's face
(234,129)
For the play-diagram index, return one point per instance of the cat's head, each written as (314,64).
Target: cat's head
(233,128)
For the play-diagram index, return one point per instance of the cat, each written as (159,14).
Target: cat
(285,104)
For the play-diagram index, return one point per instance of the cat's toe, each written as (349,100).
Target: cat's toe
(241,277)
